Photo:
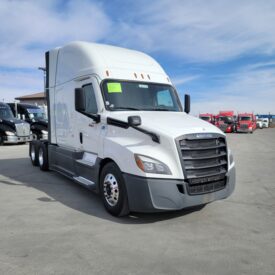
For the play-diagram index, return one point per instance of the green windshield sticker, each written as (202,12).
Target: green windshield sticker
(114,87)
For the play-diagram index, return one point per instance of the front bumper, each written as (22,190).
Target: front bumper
(16,139)
(244,130)
(45,136)
(157,195)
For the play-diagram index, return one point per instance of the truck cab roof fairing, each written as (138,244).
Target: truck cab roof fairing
(80,58)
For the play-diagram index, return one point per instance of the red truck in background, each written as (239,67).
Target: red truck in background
(246,123)
(208,117)
(226,121)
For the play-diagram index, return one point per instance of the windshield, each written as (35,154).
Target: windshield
(5,112)
(207,118)
(37,113)
(245,118)
(125,95)
(226,119)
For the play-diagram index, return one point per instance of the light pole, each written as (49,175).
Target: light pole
(44,76)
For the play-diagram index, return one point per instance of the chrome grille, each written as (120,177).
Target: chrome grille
(244,126)
(22,129)
(204,162)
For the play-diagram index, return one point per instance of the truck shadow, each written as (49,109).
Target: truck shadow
(57,188)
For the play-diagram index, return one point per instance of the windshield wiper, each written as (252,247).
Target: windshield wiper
(126,108)
(158,109)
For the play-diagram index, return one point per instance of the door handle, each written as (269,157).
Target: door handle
(81,138)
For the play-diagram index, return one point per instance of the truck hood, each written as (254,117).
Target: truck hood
(11,122)
(173,124)
(245,122)
(42,122)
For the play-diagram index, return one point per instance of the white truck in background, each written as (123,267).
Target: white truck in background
(259,123)
(116,126)
(265,122)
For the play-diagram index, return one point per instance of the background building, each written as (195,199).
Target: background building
(37,99)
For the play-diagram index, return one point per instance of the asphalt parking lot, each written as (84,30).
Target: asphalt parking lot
(50,225)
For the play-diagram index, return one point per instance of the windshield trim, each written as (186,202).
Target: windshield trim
(141,82)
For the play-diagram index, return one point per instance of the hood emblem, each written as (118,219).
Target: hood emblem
(204,135)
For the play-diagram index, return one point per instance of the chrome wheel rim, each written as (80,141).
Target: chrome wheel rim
(111,190)
(40,157)
(32,153)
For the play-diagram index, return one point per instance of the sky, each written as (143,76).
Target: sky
(220,52)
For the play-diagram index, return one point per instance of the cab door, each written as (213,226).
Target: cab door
(87,129)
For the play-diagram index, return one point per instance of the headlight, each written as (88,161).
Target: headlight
(44,132)
(149,165)
(231,159)
(9,133)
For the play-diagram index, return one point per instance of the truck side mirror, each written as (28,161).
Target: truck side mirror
(134,121)
(187,104)
(80,102)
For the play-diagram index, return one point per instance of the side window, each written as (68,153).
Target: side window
(91,106)
(164,98)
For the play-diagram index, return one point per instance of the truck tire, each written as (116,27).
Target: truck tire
(43,157)
(33,152)
(34,136)
(113,190)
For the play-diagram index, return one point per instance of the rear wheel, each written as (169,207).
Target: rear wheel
(34,136)
(43,157)
(113,191)
(33,153)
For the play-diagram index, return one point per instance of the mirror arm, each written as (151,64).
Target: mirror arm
(96,118)
(126,125)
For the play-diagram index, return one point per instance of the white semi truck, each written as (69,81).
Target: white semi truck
(116,126)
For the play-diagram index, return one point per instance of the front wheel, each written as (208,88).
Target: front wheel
(113,190)
(34,136)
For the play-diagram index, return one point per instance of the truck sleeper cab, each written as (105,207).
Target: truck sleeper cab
(208,117)
(265,122)
(226,121)
(116,126)
(259,123)
(34,115)
(12,130)
(246,123)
